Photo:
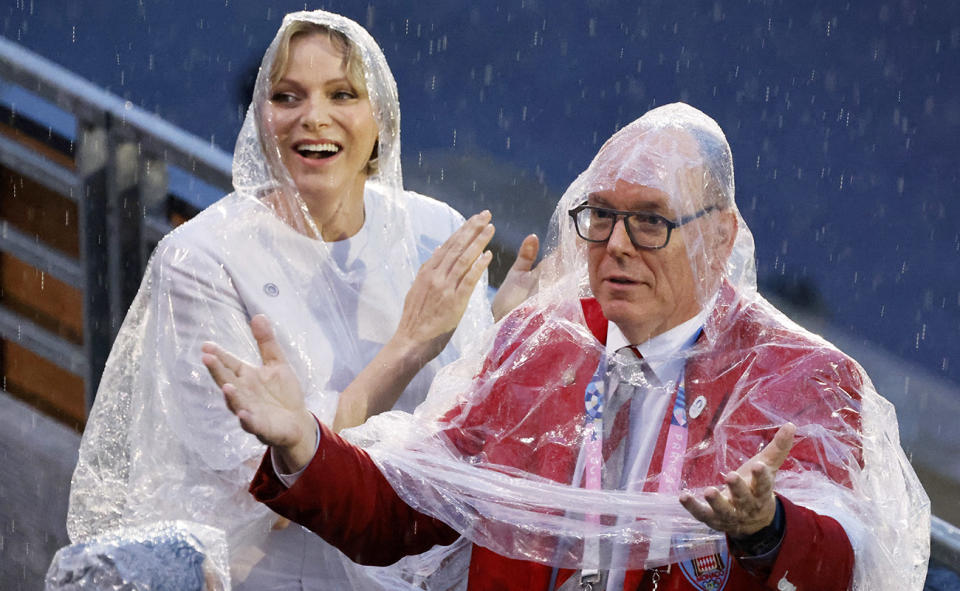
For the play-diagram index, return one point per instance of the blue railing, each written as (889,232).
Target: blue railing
(128,165)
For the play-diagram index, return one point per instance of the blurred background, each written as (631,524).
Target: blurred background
(844,119)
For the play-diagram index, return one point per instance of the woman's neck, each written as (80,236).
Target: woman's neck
(334,217)
(338,217)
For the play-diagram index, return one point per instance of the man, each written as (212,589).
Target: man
(674,382)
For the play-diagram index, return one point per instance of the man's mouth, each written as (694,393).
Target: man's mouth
(621,280)
(319,151)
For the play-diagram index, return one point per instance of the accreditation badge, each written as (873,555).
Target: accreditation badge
(708,573)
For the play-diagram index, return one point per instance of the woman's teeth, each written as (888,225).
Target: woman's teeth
(318,150)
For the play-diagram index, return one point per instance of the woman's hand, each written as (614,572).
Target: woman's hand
(431,311)
(521,280)
(267,400)
(441,290)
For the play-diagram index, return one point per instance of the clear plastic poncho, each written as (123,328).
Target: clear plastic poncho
(160,443)
(164,556)
(497,450)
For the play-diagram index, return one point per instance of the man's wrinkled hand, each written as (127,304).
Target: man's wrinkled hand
(521,280)
(267,400)
(746,504)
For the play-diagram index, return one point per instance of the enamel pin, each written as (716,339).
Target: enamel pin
(697,407)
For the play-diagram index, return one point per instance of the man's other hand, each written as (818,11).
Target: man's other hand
(747,503)
(521,280)
(267,400)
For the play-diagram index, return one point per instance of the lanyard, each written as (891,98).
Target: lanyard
(594,398)
(592,454)
(671,468)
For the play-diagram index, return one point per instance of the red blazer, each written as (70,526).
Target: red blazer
(344,498)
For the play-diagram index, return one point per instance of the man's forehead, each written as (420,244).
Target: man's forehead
(624,194)
(651,149)
(659,158)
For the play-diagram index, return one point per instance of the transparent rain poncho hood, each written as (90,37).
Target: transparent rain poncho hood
(497,449)
(160,443)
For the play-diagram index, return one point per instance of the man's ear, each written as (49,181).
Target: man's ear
(725,237)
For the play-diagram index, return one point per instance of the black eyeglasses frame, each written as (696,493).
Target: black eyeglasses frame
(619,213)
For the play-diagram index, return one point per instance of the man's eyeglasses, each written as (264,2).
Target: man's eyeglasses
(647,231)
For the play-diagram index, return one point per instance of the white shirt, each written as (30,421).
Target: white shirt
(664,355)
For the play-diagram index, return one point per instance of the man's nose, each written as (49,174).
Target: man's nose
(619,241)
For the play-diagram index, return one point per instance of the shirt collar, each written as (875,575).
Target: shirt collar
(661,349)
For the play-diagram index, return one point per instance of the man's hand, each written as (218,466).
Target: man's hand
(747,503)
(267,399)
(521,280)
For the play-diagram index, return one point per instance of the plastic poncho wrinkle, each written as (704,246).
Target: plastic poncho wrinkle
(494,449)
(160,443)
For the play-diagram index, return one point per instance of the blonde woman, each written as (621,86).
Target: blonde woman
(320,235)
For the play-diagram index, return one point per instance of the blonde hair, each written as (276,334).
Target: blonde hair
(352,65)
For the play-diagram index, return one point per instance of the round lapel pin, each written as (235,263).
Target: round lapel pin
(699,403)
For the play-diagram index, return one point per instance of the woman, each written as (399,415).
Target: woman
(319,234)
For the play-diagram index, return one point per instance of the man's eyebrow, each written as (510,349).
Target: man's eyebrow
(596,199)
(643,205)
